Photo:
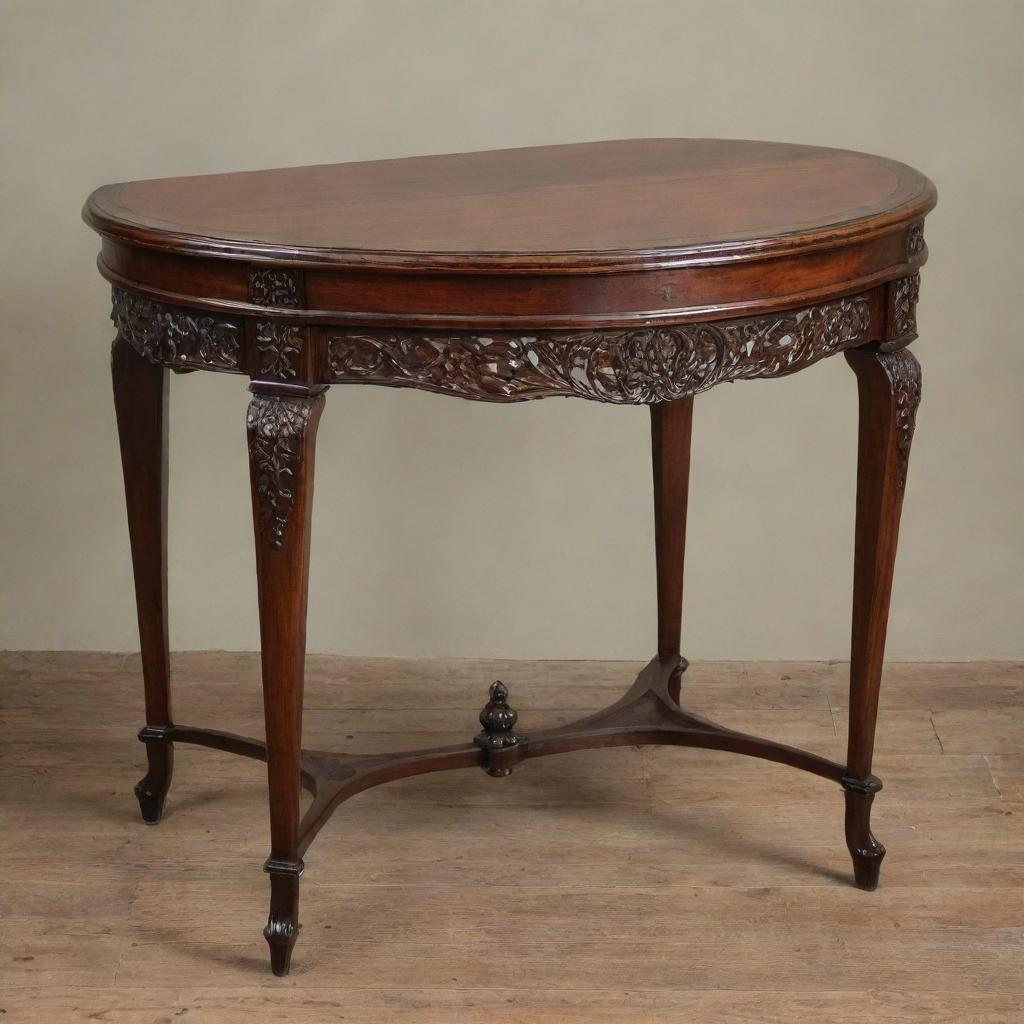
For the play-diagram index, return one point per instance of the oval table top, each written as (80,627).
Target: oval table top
(632,235)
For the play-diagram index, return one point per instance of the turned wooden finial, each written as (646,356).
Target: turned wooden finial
(498,721)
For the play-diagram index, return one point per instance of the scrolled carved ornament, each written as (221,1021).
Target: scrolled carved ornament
(901,327)
(626,367)
(904,373)
(278,348)
(276,426)
(175,337)
(274,288)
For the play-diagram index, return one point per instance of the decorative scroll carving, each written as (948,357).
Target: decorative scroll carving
(498,721)
(278,347)
(274,288)
(626,367)
(276,426)
(178,338)
(904,373)
(901,327)
(915,241)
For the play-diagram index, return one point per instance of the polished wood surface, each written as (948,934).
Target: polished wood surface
(671,430)
(658,884)
(599,234)
(140,401)
(636,273)
(584,205)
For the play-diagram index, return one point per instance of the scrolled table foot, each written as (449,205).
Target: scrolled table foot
(865,850)
(282,928)
(151,789)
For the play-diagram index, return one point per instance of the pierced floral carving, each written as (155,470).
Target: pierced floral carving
(276,426)
(902,320)
(178,338)
(904,373)
(274,288)
(627,367)
(278,348)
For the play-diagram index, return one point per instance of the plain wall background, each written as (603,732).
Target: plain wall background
(448,527)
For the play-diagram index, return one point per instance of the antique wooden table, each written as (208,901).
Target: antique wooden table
(633,272)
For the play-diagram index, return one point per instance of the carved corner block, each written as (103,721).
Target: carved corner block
(901,312)
(278,351)
(279,289)
(915,244)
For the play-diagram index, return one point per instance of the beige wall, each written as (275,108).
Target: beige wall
(447,527)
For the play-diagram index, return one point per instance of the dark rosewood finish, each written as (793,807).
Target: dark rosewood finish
(638,273)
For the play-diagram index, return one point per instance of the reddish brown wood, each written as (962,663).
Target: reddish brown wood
(600,204)
(671,427)
(282,437)
(591,235)
(889,387)
(140,400)
(638,272)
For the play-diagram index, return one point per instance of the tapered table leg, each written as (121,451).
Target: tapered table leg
(282,433)
(671,424)
(889,387)
(140,401)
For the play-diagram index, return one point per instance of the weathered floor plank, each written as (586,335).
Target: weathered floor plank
(625,885)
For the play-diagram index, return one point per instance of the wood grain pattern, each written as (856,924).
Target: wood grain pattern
(567,206)
(735,906)
(635,233)
(141,406)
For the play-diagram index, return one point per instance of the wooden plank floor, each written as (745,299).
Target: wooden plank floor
(646,885)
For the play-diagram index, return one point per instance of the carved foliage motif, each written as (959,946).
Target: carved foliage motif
(276,426)
(903,296)
(179,338)
(626,367)
(904,373)
(274,288)
(278,348)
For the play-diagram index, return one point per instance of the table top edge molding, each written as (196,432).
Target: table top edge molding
(579,261)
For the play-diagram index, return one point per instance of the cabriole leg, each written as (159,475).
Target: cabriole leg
(140,401)
(889,387)
(671,424)
(282,433)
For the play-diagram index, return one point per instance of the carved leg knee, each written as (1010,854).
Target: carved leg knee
(283,923)
(867,852)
